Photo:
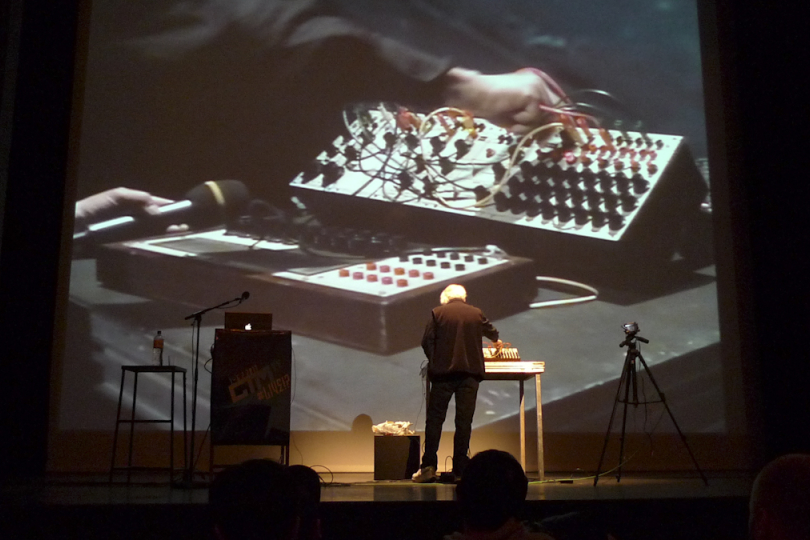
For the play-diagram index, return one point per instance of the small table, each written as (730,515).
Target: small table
(136,370)
(522,371)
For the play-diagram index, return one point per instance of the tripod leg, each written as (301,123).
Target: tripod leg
(672,417)
(612,415)
(631,382)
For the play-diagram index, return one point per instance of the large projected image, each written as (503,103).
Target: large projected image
(344,161)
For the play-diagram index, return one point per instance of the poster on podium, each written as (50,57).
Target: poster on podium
(251,387)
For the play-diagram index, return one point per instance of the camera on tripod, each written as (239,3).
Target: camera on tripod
(630,328)
(627,394)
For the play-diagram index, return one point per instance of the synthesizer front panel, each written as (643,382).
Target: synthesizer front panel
(378,304)
(580,193)
(594,190)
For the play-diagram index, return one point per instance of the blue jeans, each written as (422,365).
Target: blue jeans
(466,391)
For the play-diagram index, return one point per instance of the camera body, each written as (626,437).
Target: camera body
(630,328)
(631,331)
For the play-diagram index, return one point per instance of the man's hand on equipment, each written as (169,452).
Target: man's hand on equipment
(510,100)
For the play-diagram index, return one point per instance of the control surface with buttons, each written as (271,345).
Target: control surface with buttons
(372,303)
(582,181)
(398,275)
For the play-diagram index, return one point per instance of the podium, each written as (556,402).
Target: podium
(251,389)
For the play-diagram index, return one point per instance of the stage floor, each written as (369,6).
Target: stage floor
(356,507)
(151,488)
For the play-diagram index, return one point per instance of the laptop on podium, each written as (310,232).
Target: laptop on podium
(237,320)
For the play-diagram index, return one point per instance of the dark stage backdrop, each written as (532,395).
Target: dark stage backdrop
(176,94)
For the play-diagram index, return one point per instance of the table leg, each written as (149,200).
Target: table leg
(522,426)
(540,463)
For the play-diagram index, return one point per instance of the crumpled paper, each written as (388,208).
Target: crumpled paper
(393,428)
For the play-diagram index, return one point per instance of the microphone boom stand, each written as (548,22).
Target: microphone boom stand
(188,480)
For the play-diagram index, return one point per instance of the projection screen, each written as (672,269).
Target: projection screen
(355,202)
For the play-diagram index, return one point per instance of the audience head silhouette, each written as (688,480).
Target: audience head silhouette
(309,491)
(257,499)
(492,491)
(780,500)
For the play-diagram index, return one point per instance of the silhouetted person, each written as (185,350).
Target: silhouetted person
(255,500)
(491,495)
(780,500)
(309,491)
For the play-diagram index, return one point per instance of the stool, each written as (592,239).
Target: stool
(136,370)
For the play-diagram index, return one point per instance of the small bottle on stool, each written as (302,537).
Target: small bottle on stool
(157,349)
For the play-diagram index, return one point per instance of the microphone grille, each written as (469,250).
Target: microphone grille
(218,200)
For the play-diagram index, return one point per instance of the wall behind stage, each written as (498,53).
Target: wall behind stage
(136,131)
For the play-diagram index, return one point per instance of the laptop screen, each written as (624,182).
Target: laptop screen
(248,321)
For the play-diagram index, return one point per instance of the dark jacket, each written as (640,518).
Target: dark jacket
(453,340)
(207,87)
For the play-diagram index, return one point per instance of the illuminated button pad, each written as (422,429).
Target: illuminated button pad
(399,274)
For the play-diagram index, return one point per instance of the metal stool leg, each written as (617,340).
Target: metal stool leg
(171,435)
(185,433)
(117,423)
(132,428)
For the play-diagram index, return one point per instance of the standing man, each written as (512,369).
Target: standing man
(453,346)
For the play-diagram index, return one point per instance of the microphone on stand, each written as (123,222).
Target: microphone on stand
(207,205)
(240,299)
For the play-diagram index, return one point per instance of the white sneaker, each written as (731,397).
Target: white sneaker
(424,475)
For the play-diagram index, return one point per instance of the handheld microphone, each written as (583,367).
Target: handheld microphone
(207,205)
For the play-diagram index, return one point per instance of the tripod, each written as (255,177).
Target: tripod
(628,382)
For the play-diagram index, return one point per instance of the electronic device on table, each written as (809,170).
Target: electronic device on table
(505,362)
(501,353)
(493,368)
